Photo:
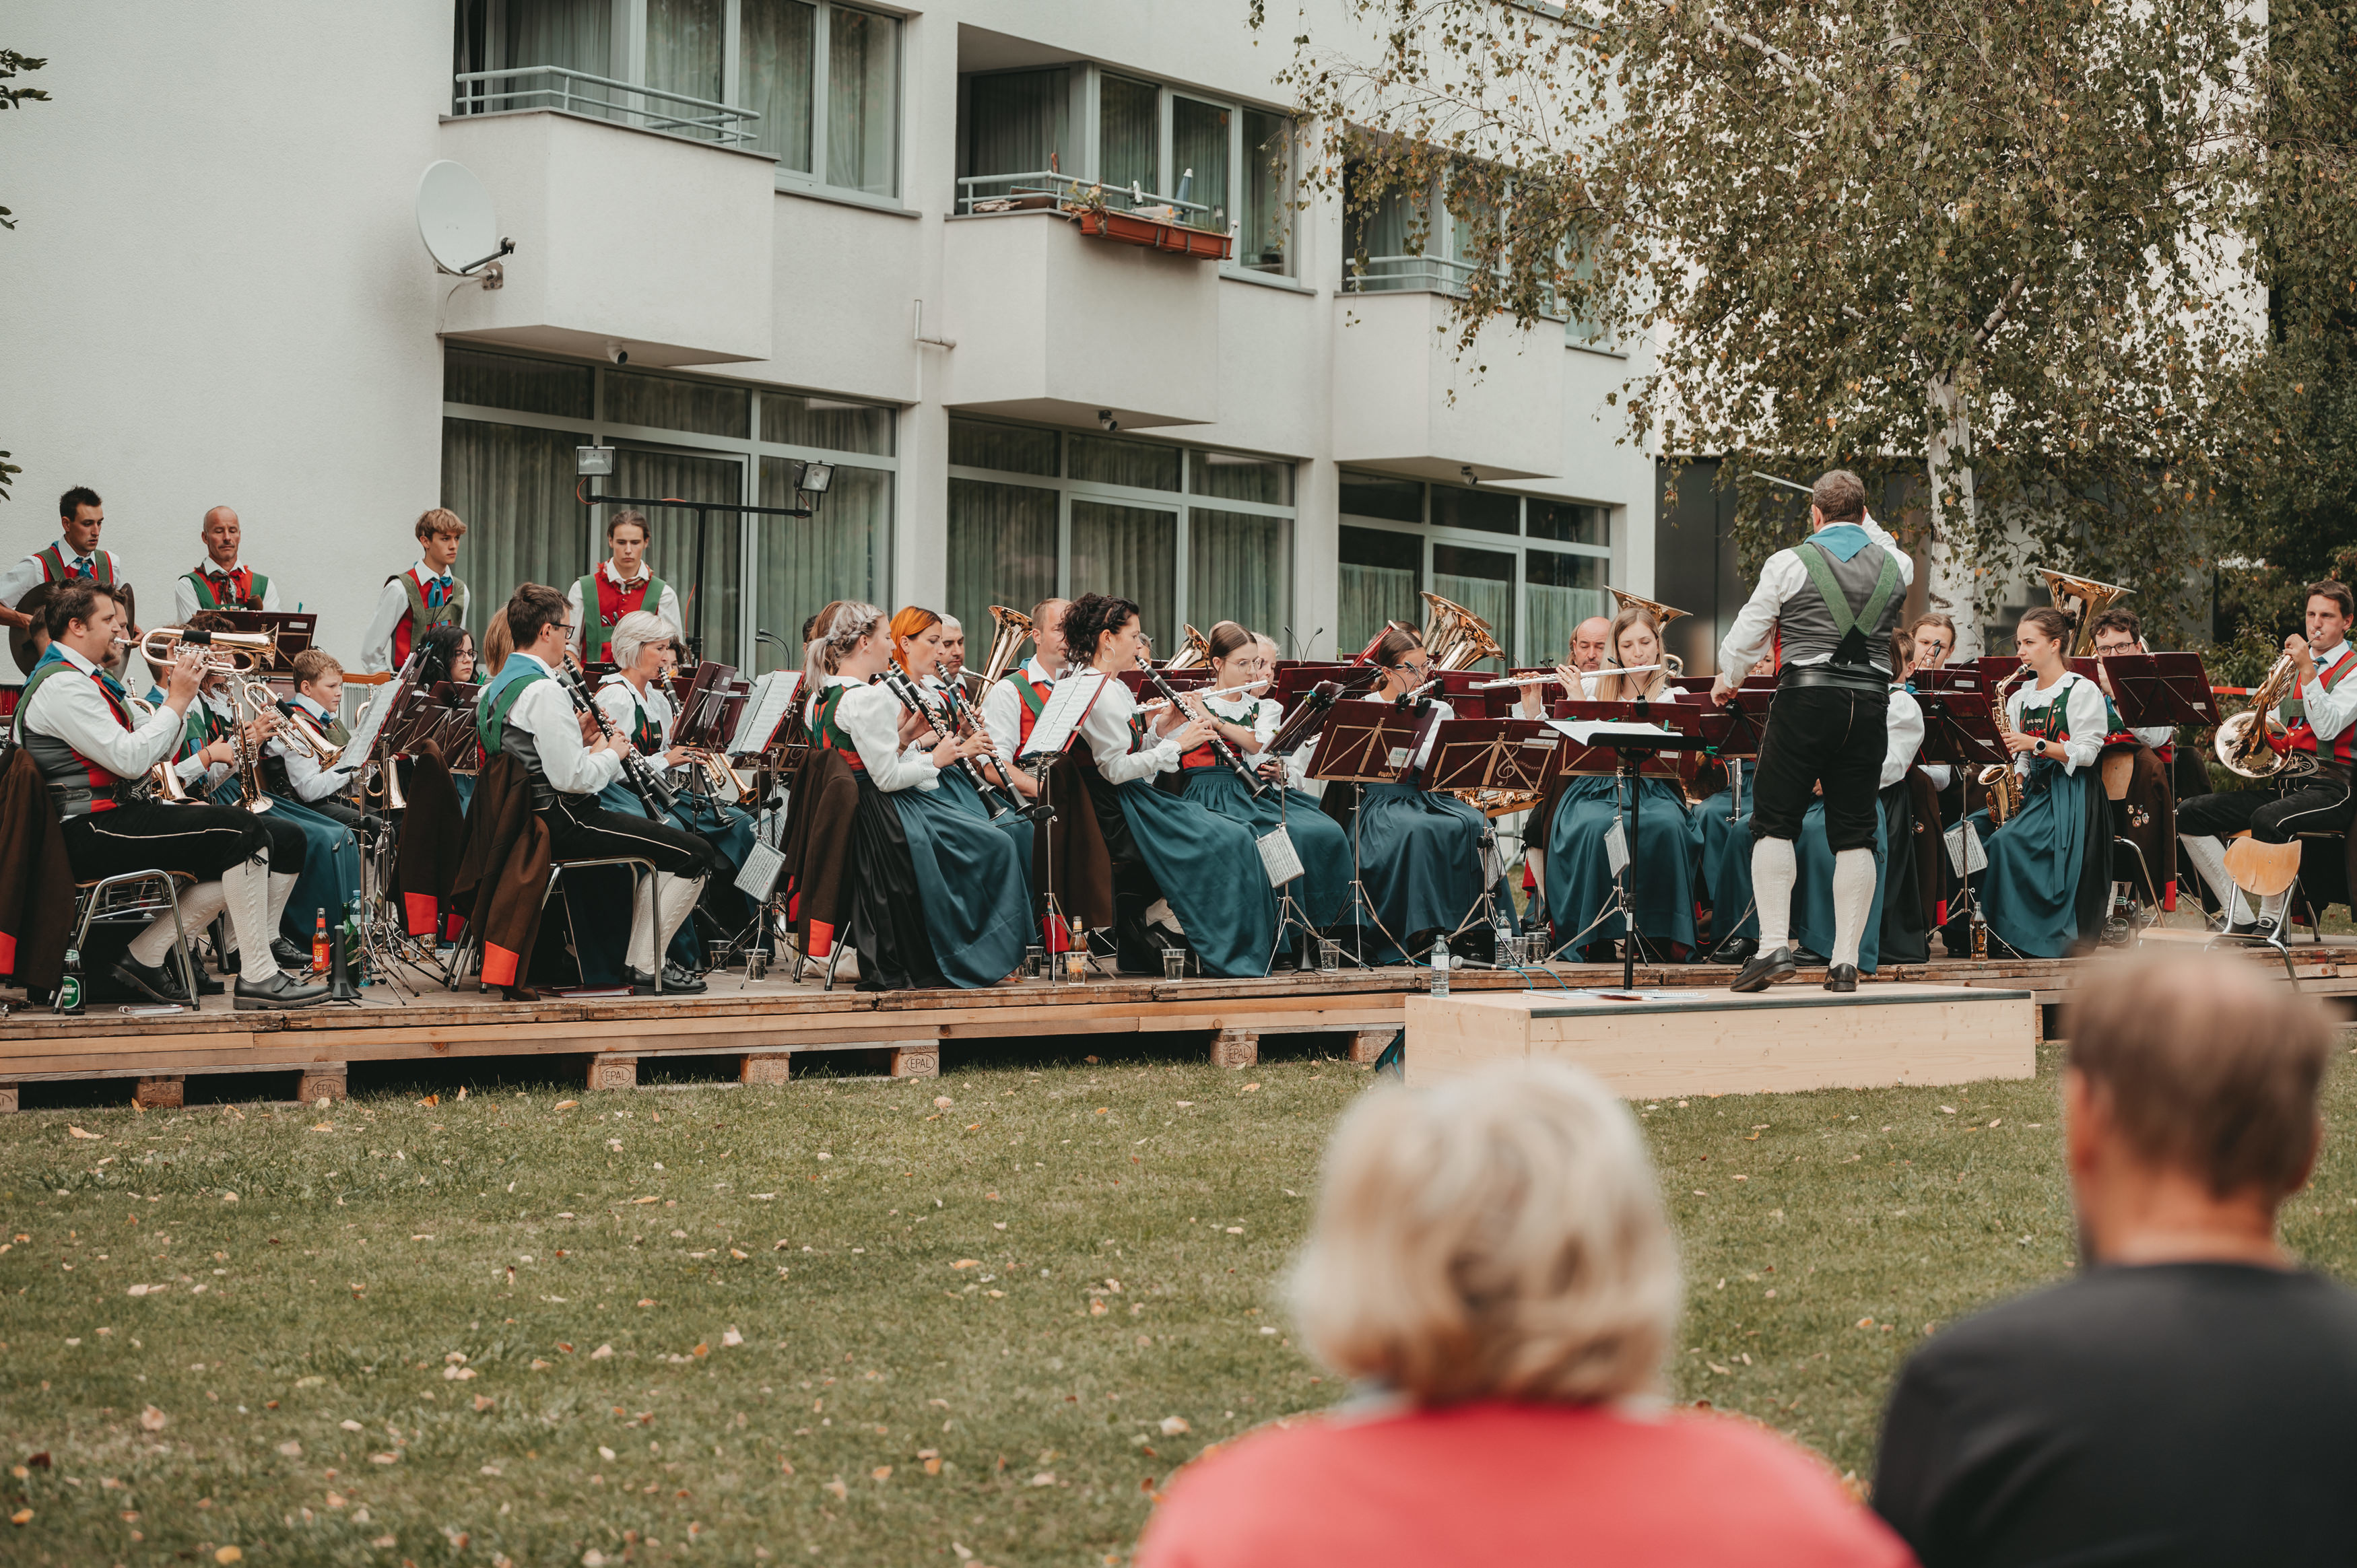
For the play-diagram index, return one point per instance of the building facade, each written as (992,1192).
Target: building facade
(758,234)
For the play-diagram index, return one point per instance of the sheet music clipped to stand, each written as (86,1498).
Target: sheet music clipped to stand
(1060,719)
(771,699)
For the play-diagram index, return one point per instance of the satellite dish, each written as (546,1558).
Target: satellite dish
(454,219)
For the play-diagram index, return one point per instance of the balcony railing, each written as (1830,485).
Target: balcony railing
(1046,190)
(1438,274)
(525,87)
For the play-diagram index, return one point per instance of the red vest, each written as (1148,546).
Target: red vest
(2342,747)
(614,601)
(1027,714)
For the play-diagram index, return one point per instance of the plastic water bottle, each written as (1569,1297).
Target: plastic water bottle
(1504,951)
(1440,966)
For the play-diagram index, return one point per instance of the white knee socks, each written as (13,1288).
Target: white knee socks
(282,889)
(660,903)
(1772,877)
(1853,898)
(2271,906)
(198,904)
(248,887)
(2209,858)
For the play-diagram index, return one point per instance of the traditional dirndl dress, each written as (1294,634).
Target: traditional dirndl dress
(2048,875)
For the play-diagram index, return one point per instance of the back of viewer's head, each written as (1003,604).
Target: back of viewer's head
(2207,1065)
(1497,1236)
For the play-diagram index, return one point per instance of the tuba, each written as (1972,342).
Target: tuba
(1455,637)
(2081,600)
(1012,629)
(1196,654)
(2251,742)
(1662,614)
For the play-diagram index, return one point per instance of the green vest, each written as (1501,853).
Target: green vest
(205,601)
(491,708)
(596,631)
(827,732)
(54,570)
(422,621)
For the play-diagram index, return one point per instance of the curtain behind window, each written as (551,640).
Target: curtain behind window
(711,615)
(577,35)
(806,562)
(1130,552)
(1129,134)
(1559,591)
(1379,572)
(1018,122)
(863,59)
(684,46)
(774,40)
(1268,177)
(1480,580)
(514,489)
(1239,568)
(1199,141)
(1002,551)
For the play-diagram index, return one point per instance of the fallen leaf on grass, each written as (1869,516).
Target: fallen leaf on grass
(967,1263)
(1248,1089)
(78,1133)
(1173,1426)
(602,1353)
(153,1420)
(22,1516)
(731,1337)
(837,1485)
(229,1554)
(1044,1479)
(881,1472)
(646,1201)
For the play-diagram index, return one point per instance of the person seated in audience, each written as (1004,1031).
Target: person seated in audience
(1491,1261)
(2187,1397)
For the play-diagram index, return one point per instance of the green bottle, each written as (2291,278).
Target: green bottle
(70,985)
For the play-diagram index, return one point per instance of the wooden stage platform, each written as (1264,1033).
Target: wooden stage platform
(762,1024)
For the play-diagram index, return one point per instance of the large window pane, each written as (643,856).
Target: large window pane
(1570,522)
(505,380)
(1130,552)
(1559,591)
(577,35)
(1240,568)
(1480,580)
(831,423)
(774,73)
(666,402)
(1010,448)
(1129,134)
(714,580)
(1018,122)
(1002,540)
(1372,495)
(1198,142)
(807,561)
(1267,181)
(863,76)
(684,44)
(1140,464)
(1234,478)
(514,489)
(1380,573)
(1491,511)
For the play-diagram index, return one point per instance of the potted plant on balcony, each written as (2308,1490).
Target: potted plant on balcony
(1157,228)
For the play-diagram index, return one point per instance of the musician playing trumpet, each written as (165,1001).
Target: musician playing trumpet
(2316,724)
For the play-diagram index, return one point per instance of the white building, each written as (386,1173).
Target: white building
(217,294)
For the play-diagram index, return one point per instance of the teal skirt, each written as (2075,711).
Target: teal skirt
(974,882)
(1324,885)
(2049,865)
(961,792)
(332,870)
(1723,865)
(1420,857)
(1579,885)
(1813,889)
(1209,871)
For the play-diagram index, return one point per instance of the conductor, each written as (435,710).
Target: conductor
(1834,597)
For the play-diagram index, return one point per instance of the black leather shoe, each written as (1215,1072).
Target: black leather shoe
(1735,950)
(1842,977)
(687,982)
(290,958)
(153,982)
(280,991)
(1802,955)
(206,984)
(2256,931)
(1765,970)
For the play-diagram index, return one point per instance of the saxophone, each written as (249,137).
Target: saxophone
(1999,778)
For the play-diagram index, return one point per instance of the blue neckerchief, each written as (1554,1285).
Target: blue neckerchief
(1841,541)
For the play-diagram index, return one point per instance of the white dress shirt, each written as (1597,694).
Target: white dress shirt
(1264,715)
(620,700)
(1002,710)
(1433,715)
(71,708)
(2329,713)
(546,714)
(870,716)
(666,603)
(1107,729)
(184,596)
(392,604)
(1906,735)
(26,574)
(303,775)
(2084,713)
(1753,633)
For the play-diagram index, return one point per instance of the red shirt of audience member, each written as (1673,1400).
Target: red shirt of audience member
(1494,1483)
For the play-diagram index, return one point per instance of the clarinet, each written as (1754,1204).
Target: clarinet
(658,797)
(900,686)
(1220,747)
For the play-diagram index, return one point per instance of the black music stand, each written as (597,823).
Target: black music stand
(1519,754)
(1634,753)
(293,628)
(1735,730)
(1375,745)
(2153,688)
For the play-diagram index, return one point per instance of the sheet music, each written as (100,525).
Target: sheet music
(765,710)
(1068,703)
(371,720)
(1604,732)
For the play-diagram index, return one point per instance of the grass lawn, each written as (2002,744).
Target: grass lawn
(841,1321)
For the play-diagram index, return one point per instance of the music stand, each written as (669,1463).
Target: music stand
(1638,738)
(1523,755)
(1734,731)
(1052,733)
(1374,746)
(2154,689)
(293,630)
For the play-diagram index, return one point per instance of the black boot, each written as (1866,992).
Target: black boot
(1842,977)
(290,958)
(1735,950)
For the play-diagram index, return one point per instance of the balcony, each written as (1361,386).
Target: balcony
(1406,399)
(1170,223)
(657,238)
(1055,326)
(562,92)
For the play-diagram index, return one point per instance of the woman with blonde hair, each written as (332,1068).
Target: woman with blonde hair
(1579,880)
(1491,1263)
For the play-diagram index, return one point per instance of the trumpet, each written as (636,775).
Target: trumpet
(226,653)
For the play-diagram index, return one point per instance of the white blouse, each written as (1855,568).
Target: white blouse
(1261,714)
(621,702)
(870,714)
(1434,714)
(2084,713)
(1107,729)
(1906,735)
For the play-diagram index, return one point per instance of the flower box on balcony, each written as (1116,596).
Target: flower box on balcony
(1129,228)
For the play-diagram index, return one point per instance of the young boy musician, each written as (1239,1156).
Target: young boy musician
(425,595)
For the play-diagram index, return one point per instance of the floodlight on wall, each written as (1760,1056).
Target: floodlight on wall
(815,478)
(454,219)
(594,462)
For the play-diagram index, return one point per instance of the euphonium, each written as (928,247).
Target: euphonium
(1455,637)
(2251,742)
(1014,628)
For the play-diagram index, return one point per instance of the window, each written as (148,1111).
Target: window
(1034,513)
(510,425)
(1029,138)
(777,43)
(1400,535)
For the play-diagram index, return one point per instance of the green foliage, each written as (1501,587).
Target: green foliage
(2010,242)
(11,64)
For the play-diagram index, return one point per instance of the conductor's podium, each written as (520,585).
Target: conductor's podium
(1645,1044)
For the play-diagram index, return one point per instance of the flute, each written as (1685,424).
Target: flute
(1159,703)
(1558,674)
(1220,747)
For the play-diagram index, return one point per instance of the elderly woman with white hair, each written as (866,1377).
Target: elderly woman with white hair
(1491,1261)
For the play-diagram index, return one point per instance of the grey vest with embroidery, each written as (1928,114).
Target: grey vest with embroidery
(1811,627)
